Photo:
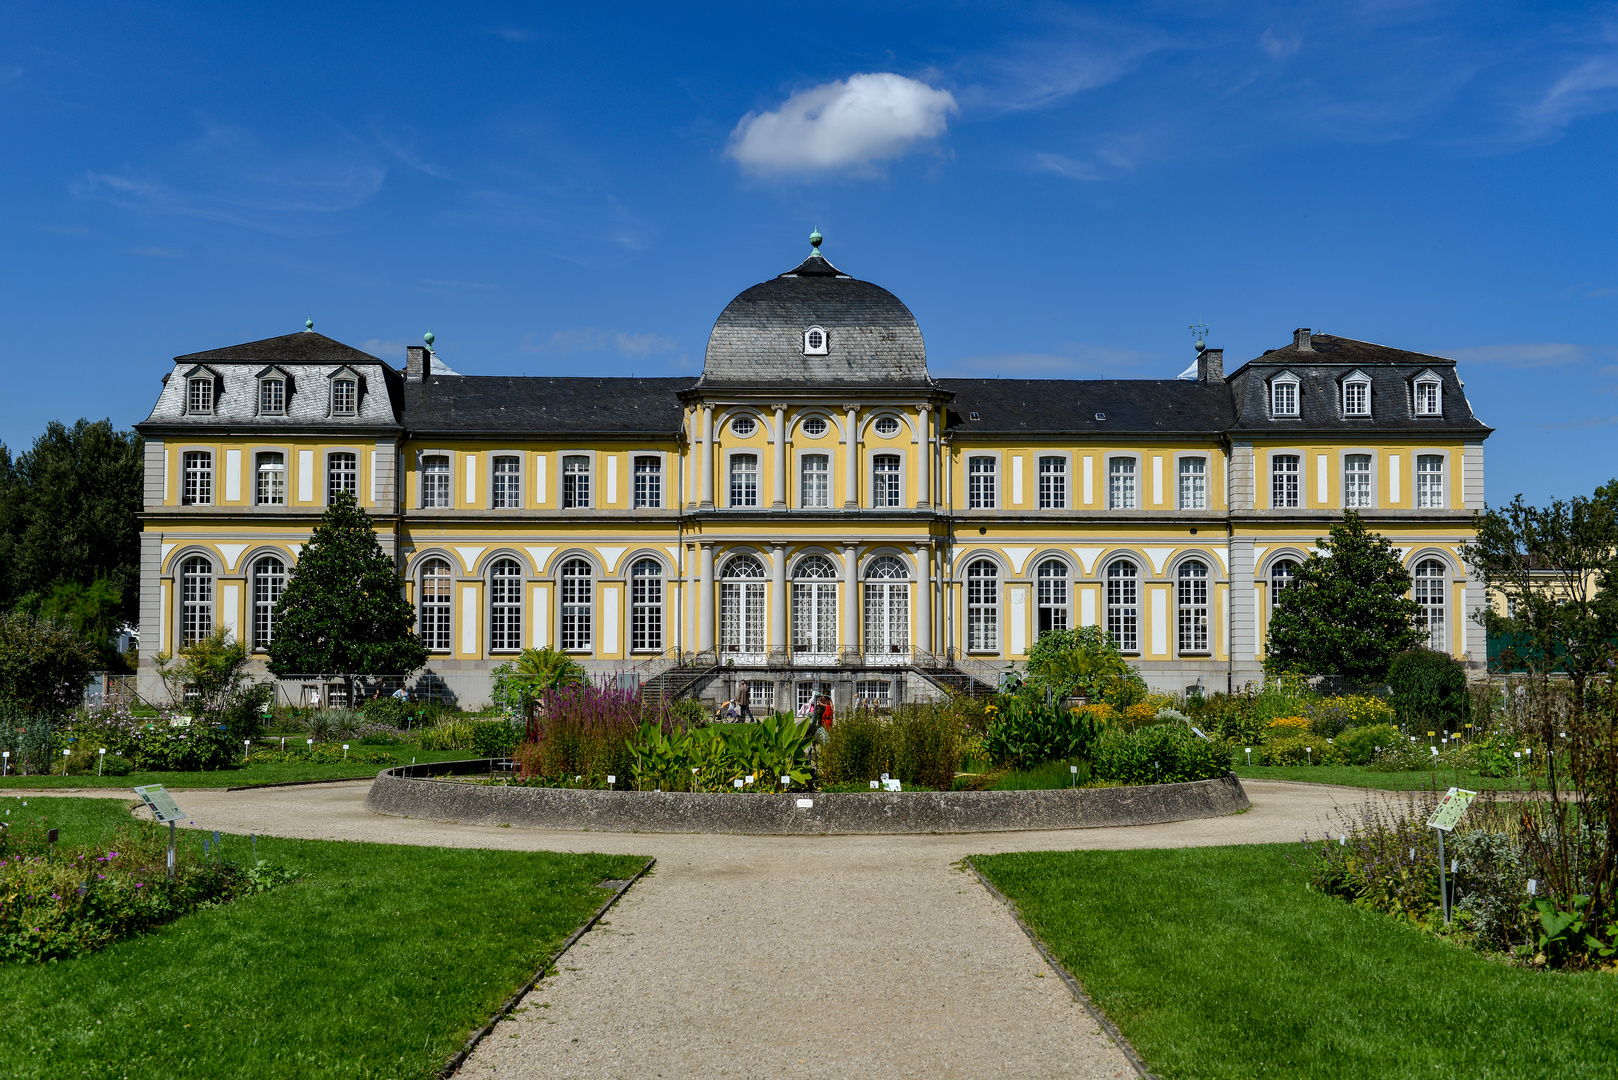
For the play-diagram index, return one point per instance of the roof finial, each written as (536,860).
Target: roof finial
(308,324)
(1199,330)
(429,339)
(814,242)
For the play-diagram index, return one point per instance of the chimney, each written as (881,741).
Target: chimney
(1300,338)
(1211,365)
(417,364)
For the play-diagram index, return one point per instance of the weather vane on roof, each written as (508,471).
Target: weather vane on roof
(1199,330)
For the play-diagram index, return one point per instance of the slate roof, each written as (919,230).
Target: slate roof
(542,405)
(306,347)
(872,337)
(1059,406)
(1320,373)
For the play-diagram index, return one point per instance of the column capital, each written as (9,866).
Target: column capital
(852,408)
(780,408)
(925,406)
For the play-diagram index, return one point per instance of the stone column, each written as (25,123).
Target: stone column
(924,491)
(922,635)
(850,639)
(779,487)
(851,461)
(1244,628)
(705,600)
(707,460)
(778,598)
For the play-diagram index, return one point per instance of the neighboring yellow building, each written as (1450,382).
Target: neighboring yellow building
(816,511)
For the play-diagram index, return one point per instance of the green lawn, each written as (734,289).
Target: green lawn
(237,777)
(378,963)
(1219,962)
(1360,776)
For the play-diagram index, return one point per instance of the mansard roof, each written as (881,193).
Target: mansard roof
(305,347)
(529,405)
(1062,406)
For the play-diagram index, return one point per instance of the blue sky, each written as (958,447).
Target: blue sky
(1055,190)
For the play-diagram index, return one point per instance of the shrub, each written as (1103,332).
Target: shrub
(1428,688)
(712,758)
(495,738)
(1084,660)
(117,765)
(1158,754)
(1229,716)
(320,754)
(388,711)
(44,666)
(1329,716)
(688,713)
(1285,726)
(1028,732)
(1402,755)
(1302,749)
(920,743)
(1491,886)
(1358,745)
(584,731)
(449,735)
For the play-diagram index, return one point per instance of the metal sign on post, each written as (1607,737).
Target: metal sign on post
(165,810)
(1444,820)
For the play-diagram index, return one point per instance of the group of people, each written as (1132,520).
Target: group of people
(740,708)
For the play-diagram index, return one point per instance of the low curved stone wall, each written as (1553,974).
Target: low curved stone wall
(817,814)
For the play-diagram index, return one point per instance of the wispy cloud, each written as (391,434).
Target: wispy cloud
(384,348)
(437,284)
(589,340)
(1547,354)
(1079,360)
(1062,165)
(1587,87)
(512,33)
(1279,46)
(409,157)
(841,125)
(1577,425)
(1067,56)
(157,252)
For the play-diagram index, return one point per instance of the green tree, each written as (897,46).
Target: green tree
(215,668)
(342,611)
(519,684)
(1079,661)
(94,611)
(1346,612)
(44,665)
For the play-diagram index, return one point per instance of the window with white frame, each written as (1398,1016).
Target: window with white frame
(648,483)
(578,606)
(272,397)
(1284,480)
(507,483)
(435,482)
(983,606)
(887,426)
(1192,602)
(807,692)
(1284,396)
(196,600)
(345,397)
(575,482)
(271,471)
(815,341)
(980,493)
(432,610)
(743,426)
(1123,605)
(885,480)
(269,578)
(814,605)
(1282,574)
(873,693)
(1053,596)
(1356,481)
(1356,396)
(342,475)
(816,480)
(1429,596)
(741,605)
(1430,482)
(1193,483)
(196,468)
(505,606)
(1429,398)
(887,606)
(199,395)
(744,480)
(1053,483)
(1121,483)
(814,427)
(646,606)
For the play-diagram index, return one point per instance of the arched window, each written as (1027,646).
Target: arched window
(983,606)
(741,605)
(814,605)
(578,605)
(432,611)
(1429,594)
(1052,595)
(887,606)
(1192,602)
(1282,572)
(816,489)
(196,599)
(505,606)
(1123,605)
(269,578)
(885,480)
(646,605)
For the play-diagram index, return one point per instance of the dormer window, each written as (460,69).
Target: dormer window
(345,393)
(1357,395)
(272,397)
(815,341)
(199,395)
(1429,395)
(1284,395)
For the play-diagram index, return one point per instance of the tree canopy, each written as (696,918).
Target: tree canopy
(44,665)
(1346,612)
(342,611)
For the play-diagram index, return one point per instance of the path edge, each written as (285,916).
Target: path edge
(454,1064)
(1074,986)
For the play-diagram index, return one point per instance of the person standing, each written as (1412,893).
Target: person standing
(744,706)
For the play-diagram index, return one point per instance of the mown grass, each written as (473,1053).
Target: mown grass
(238,777)
(378,963)
(1363,777)
(1219,962)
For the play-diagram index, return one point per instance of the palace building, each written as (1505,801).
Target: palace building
(816,512)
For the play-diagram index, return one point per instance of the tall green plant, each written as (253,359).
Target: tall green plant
(1084,660)
(44,665)
(520,683)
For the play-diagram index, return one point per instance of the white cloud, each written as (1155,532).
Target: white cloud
(1530,355)
(589,339)
(1279,46)
(840,125)
(1062,165)
(1079,360)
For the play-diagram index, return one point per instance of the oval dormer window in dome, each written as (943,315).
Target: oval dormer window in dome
(742,426)
(887,427)
(814,427)
(815,341)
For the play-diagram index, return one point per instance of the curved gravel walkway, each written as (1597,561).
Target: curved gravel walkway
(744,956)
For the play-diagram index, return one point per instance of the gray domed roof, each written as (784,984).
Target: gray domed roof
(871,338)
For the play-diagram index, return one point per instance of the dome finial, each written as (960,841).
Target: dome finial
(308,324)
(814,243)
(429,339)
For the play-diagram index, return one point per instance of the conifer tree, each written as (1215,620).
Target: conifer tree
(342,611)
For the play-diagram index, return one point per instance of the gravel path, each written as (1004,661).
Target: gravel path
(744,956)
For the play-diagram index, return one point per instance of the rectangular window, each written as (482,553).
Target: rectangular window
(816,480)
(873,693)
(1284,480)
(272,397)
(507,494)
(980,493)
(1357,481)
(1427,399)
(1121,484)
(575,482)
(885,480)
(344,397)
(272,480)
(648,483)
(1429,482)
(1193,483)
(342,474)
(744,480)
(1356,399)
(435,482)
(197,471)
(1284,398)
(1053,483)
(200,400)
(646,606)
